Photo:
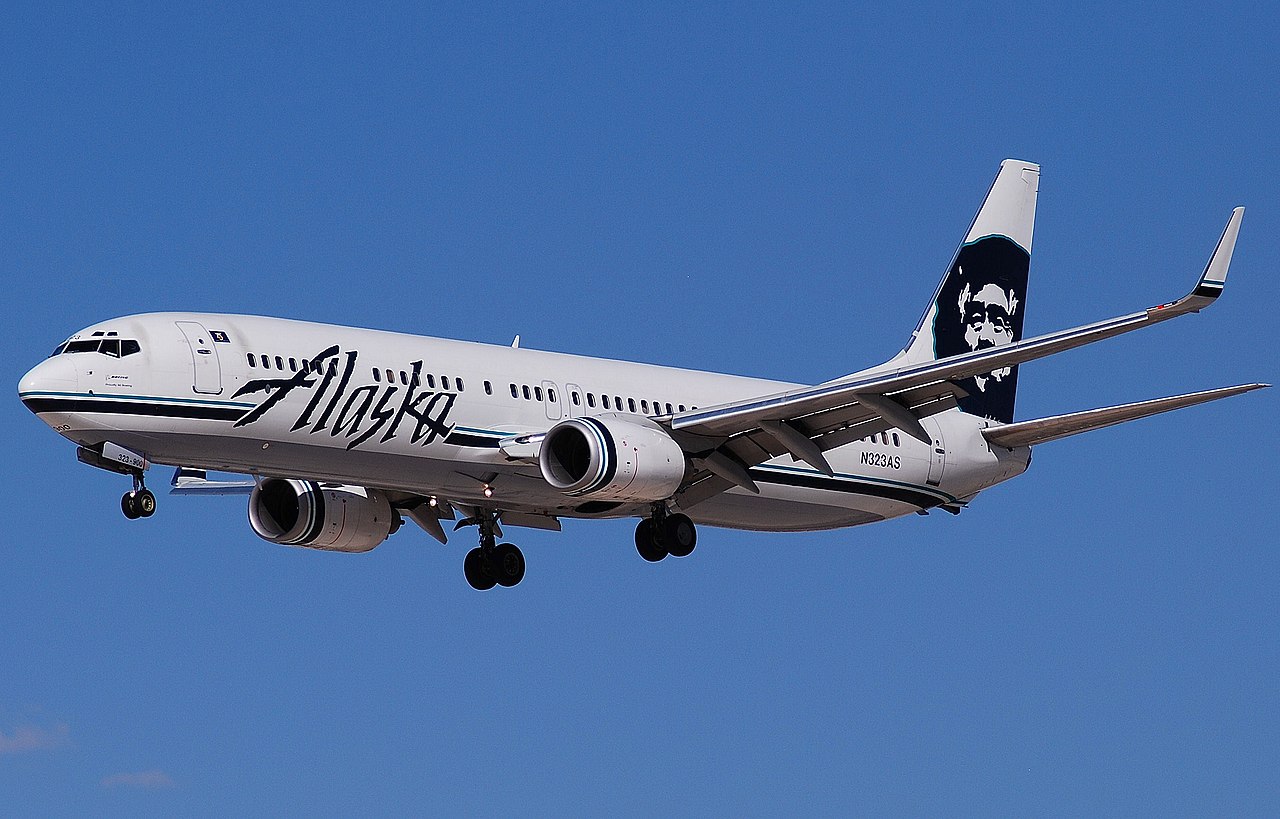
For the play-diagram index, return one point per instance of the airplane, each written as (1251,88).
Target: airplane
(343,433)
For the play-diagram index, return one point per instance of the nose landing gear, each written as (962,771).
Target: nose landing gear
(140,502)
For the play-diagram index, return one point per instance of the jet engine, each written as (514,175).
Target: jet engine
(612,457)
(320,516)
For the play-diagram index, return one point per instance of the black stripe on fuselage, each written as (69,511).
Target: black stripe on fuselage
(152,408)
(456,438)
(903,494)
(158,409)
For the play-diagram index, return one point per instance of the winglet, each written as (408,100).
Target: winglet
(1212,280)
(1215,272)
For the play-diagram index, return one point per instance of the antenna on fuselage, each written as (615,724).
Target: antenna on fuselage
(515,342)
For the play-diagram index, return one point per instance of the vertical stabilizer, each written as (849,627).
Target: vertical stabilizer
(982,299)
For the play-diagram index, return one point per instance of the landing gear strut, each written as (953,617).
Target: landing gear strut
(138,503)
(491,563)
(665,534)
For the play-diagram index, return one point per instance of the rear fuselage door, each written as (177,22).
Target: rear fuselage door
(207,377)
(937,451)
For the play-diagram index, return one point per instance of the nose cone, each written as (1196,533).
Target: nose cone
(50,377)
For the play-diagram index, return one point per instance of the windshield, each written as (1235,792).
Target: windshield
(114,347)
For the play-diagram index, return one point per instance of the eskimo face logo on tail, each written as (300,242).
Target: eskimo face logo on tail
(356,413)
(981,305)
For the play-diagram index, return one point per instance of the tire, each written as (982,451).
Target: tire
(679,535)
(647,544)
(146,503)
(129,505)
(508,565)
(478,572)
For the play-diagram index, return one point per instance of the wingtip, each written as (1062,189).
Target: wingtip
(1214,278)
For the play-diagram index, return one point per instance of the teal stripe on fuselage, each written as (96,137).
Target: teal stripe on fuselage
(110,396)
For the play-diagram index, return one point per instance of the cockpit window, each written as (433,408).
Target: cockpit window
(58,350)
(116,348)
(83,346)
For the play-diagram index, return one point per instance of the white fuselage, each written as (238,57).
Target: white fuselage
(187,397)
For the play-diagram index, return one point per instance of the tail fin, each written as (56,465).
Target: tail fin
(982,299)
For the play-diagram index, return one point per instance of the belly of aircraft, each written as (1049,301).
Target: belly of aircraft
(786,503)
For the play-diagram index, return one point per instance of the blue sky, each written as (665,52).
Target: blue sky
(768,190)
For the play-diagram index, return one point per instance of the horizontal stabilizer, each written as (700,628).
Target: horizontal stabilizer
(1042,430)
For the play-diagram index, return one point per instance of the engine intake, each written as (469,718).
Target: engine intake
(329,517)
(614,457)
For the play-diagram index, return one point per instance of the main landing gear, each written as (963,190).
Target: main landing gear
(665,534)
(491,563)
(138,503)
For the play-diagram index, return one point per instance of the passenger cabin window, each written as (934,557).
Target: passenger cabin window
(573,396)
(537,393)
(377,376)
(293,364)
(266,362)
(279,363)
(444,382)
(525,389)
(604,400)
(551,394)
(591,400)
(644,406)
(631,404)
(404,378)
(391,377)
(431,381)
(457,382)
(515,393)
(488,388)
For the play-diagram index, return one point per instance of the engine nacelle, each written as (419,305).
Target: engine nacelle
(329,516)
(612,457)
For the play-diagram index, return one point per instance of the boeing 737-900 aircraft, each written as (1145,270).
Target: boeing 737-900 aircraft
(345,432)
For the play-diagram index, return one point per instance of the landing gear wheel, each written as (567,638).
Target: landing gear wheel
(478,571)
(129,505)
(679,535)
(647,544)
(508,565)
(145,502)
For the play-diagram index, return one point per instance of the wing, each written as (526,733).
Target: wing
(1043,430)
(725,441)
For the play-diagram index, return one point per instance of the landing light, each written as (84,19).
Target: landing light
(488,491)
